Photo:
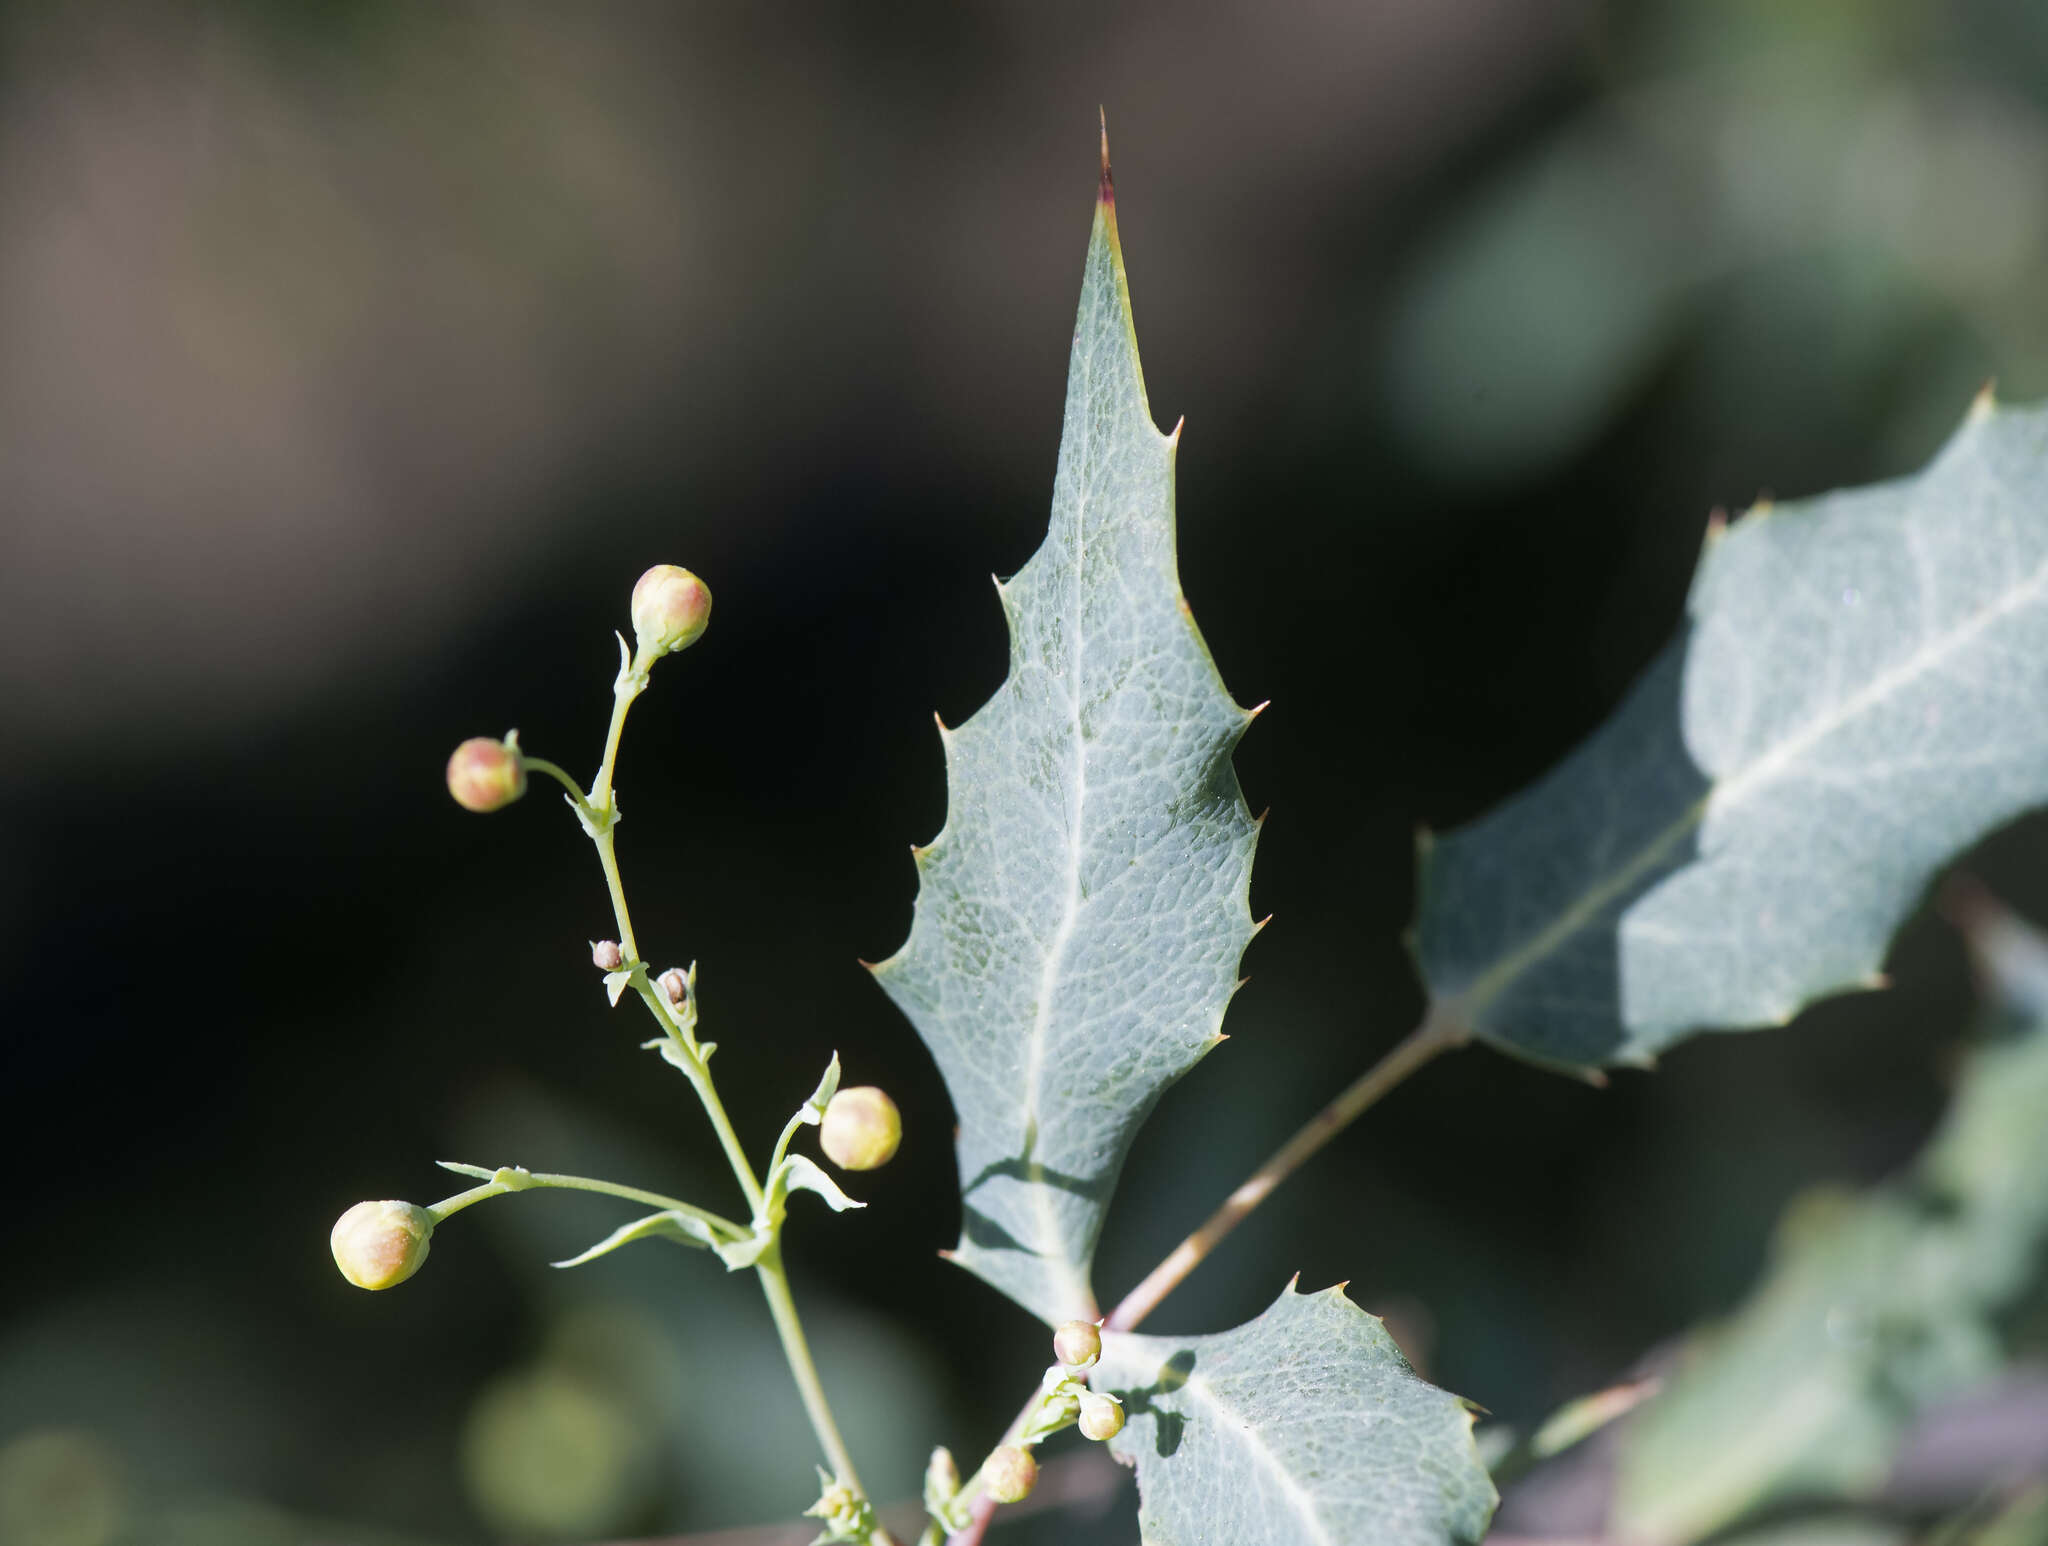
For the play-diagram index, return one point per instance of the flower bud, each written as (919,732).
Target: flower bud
(1009,1474)
(941,1477)
(1077,1344)
(1102,1417)
(381,1244)
(671,609)
(675,987)
(861,1129)
(606,956)
(486,775)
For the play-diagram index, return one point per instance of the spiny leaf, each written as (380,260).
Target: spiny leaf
(1305,1427)
(1861,691)
(1081,916)
(1874,1308)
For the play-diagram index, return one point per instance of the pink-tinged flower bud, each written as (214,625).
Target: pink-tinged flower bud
(1009,1474)
(1102,1417)
(486,775)
(381,1244)
(1077,1344)
(671,609)
(675,986)
(861,1129)
(606,956)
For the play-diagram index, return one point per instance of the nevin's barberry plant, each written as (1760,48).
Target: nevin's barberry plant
(1856,695)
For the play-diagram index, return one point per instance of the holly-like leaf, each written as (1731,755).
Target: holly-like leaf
(1305,1427)
(1861,691)
(1875,1307)
(1081,916)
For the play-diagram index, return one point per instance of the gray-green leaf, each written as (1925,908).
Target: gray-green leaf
(1305,1427)
(1861,692)
(1081,916)
(1874,1308)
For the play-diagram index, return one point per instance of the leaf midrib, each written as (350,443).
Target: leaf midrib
(1588,905)
(1077,808)
(1302,1501)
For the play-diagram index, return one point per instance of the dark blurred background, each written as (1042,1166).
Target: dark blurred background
(354,359)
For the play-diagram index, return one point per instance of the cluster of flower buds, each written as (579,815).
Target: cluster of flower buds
(486,775)
(848,1516)
(861,1128)
(1078,1347)
(381,1244)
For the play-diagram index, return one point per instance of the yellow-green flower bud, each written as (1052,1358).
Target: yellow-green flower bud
(1009,1474)
(606,956)
(941,1477)
(861,1129)
(486,775)
(1077,1344)
(1102,1417)
(671,609)
(381,1244)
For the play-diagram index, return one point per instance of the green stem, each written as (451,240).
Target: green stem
(544,1180)
(600,813)
(790,1327)
(608,857)
(558,774)
(631,683)
(721,1124)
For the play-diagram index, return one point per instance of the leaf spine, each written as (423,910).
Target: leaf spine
(1107,193)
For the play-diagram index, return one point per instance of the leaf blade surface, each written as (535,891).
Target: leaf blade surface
(1860,692)
(1081,916)
(1305,1427)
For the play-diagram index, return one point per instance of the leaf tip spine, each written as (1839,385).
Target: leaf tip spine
(1259,927)
(1106,193)
(1985,403)
(1762,506)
